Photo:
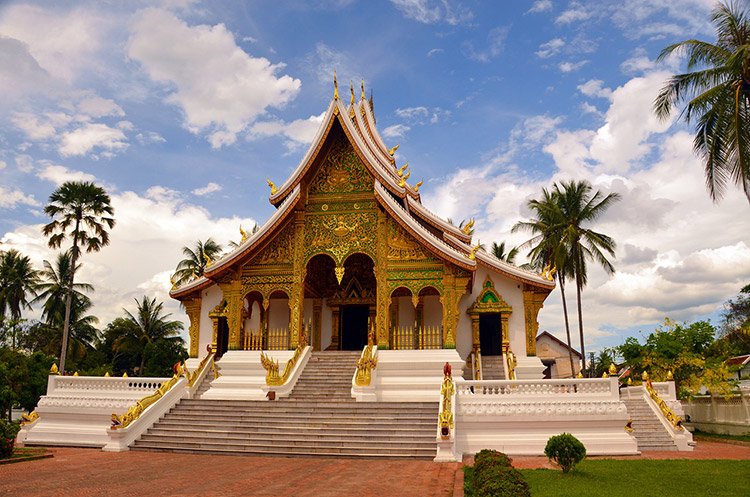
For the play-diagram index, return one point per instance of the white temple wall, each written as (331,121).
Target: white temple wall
(512,292)
(253,321)
(278,313)
(406,313)
(326,324)
(210,298)
(433,311)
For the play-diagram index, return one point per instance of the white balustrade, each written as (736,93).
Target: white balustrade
(92,385)
(595,387)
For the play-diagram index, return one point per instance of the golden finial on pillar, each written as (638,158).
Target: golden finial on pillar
(54,370)
(644,376)
(670,376)
(579,375)
(612,369)
(335,86)
(125,374)
(75,374)
(416,187)
(106,375)
(630,381)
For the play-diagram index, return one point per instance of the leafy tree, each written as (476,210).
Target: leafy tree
(53,291)
(18,280)
(81,211)
(161,355)
(685,350)
(23,379)
(147,326)
(716,89)
(736,322)
(196,260)
(499,252)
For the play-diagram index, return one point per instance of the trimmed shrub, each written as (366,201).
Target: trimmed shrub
(499,481)
(487,458)
(8,432)
(565,450)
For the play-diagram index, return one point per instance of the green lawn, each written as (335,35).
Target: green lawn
(641,478)
(740,438)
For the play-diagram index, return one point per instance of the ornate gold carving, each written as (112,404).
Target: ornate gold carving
(400,172)
(193,311)
(273,187)
(279,250)
(402,181)
(54,370)
(272,367)
(134,412)
(447,390)
(673,419)
(335,86)
(339,271)
(243,233)
(532,303)
(191,377)
(548,274)
(472,254)
(29,418)
(416,187)
(511,357)
(341,172)
(363,90)
(366,363)
(402,247)
(467,227)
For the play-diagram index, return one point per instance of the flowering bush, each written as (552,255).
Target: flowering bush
(495,477)
(8,433)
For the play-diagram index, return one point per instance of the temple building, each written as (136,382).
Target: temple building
(351,251)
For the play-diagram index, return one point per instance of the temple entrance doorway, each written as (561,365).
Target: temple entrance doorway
(490,334)
(222,337)
(354,321)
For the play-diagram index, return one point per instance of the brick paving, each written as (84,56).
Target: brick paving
(85,472)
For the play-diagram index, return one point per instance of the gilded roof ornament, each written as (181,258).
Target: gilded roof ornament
(393,150)
(363,89)
(54,370)
(402,181)
(351,87)
(243,233)
(273,187)
(403,168)
(335,86)
(472,255)
(416,187)
(612,369)
(468,226)
(171,280)
(548,274)
(208,260)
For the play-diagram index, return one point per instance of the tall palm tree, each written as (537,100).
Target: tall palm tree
(717,91)
(546,249)
(579,208)
(499,252)
(53,291)
(146,326)
(18,280)
(81,211)
(196,260)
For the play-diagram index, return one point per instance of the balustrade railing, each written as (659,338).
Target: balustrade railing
(670,416)
(278,339)
(252,340)
(60,384)
(422,338)
(565,387)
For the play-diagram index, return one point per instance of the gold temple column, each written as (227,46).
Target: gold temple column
(233,296)
(317,311)
(296,299)
(193,310)
(475,332)
(419,322)
(264,323)
(532,303)
(504,331)
(381,284)
(393,322)
(214,340)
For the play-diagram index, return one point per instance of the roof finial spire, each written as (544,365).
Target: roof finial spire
(335,86)
(351,87)
(363,89)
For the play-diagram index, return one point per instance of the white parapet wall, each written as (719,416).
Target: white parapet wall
(413,375)
(242,376)
(716,414)
(519,416)
(77,410)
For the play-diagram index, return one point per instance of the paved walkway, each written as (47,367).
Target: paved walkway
(85,472)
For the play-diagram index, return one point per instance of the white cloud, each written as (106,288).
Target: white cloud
(85,139)
(495,42)
(413,113)
(2,165)
(568,66)
(595,88)
(435,51)
(145,247)
(10,198)
(220,88)
(576,12)
(32,127)
(60,174)
(433,11)
(24,163)
(540,6)
(550,48)
(297,132)
(148,137)
(395,131)
(96,106)
(19,71)
(209,188)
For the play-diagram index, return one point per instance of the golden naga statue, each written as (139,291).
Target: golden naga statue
(393,150)
(416,187)
(548,274)
(273,187)
(472,255)
(243,233)
(467,227)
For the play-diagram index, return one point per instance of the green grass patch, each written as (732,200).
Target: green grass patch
(27,454)
(642,477)
(737,438)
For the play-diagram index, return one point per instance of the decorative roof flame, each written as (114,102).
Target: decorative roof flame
(351,87)
(393,150)
(401,171)
(363,89)
(472,255)
(273,187)
(468,226)
(416,187)
(335,86)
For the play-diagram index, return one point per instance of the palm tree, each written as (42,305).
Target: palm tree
(499,252)
(53,292)
(718,98)
(579,208)
(80,210)
(17,280)
(196,260)
(146,326)
(546,249)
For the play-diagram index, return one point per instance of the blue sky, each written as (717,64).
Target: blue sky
(182,108)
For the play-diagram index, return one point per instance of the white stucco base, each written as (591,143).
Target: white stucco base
(413,375)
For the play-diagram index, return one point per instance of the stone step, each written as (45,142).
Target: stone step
(380,432)
(307,441)
(284,452)
(289,424)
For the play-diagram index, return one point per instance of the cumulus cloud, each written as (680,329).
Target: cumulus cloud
(298,132)
(575,12)
(540,6)
(595,88)
(96,106)
(493,48)
(60,174)
(550,48)
(89,137)
(396,131)
(569,66)
(220,88)
(209,188)
(10,198)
